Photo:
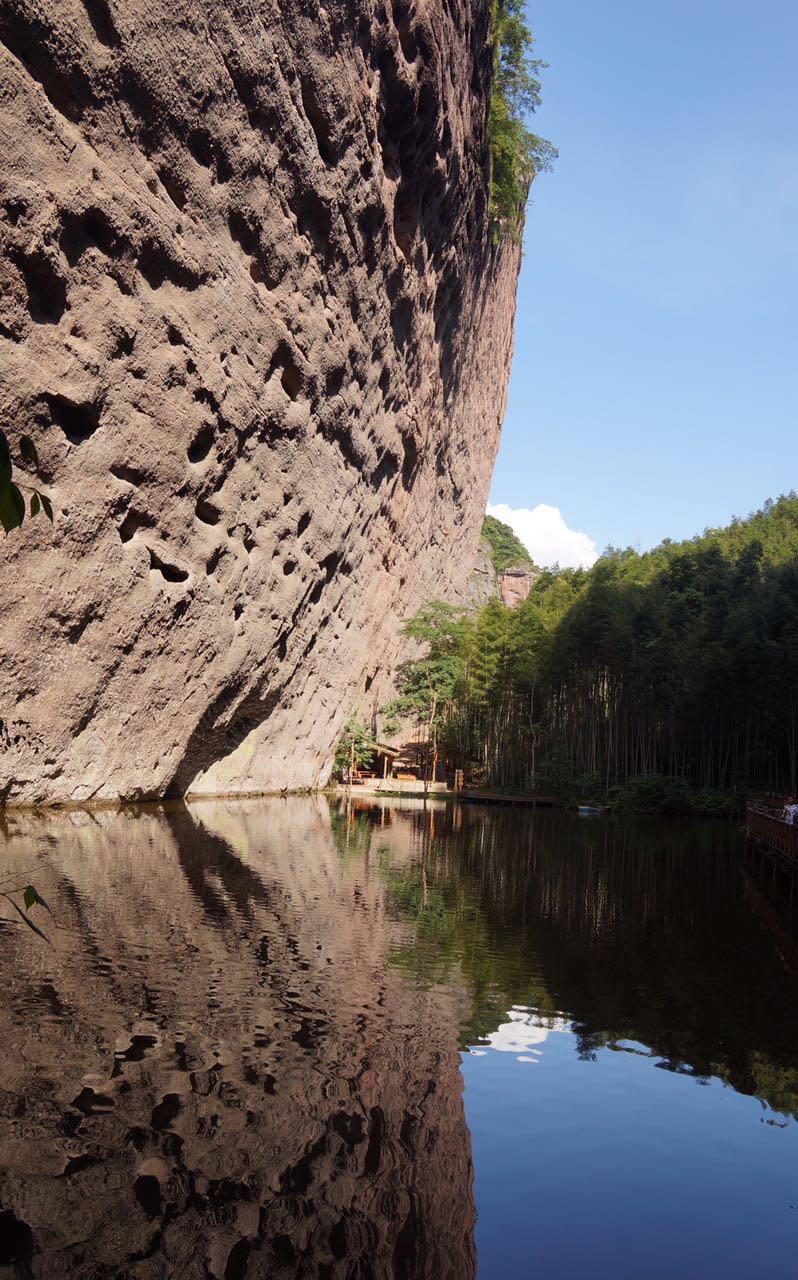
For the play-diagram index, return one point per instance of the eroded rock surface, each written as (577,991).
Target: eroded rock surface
(481,585)
(511,586)
(514,585)
(252,314)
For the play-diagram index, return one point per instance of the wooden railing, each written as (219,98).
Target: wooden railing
(777,835)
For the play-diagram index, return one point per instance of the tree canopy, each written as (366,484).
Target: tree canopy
(679,665)
(506,550)
(356,746)
(516,154)
(426,684)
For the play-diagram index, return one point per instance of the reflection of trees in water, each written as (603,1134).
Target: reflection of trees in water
(632,930)
(351,828)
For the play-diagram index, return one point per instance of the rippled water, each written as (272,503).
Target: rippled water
(271,1038)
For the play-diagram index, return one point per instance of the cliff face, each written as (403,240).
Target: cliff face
(515,585)
(253,318)
(511,586)
(481,585)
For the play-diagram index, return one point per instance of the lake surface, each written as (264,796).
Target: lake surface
(283,1038)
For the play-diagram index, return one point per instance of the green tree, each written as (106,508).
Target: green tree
(506,550)
(516,154)
(649,679)
(356,747)
(426,684)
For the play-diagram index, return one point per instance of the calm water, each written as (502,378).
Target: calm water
(272,1038)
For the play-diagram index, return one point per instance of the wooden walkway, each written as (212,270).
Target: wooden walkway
(498,797)
(777,836)
(772,852)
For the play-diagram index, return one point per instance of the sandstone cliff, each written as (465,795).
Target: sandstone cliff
(252,315)
(511,586)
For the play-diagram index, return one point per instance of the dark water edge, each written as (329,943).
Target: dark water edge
(289,1038)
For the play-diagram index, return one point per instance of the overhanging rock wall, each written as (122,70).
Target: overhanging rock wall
(252,315)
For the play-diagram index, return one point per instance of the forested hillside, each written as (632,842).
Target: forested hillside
(506,550)
(679,666)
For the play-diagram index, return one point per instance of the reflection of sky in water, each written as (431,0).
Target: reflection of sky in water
(522,1034)
(663,1178)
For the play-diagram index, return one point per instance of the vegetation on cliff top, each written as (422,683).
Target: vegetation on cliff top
(506,550)
(516,154)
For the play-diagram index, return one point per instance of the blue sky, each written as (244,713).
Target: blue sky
(654,389)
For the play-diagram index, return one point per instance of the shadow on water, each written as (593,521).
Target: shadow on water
(219,880)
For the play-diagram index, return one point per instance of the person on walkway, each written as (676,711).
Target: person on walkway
(790,811)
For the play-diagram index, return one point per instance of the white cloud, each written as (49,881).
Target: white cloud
(522,1034)
(547,537)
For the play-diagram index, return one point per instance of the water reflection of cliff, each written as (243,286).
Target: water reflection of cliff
(213,1072)
(630,929)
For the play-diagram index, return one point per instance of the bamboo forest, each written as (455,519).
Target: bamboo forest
(662,680)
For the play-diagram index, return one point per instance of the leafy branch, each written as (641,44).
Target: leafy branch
(30,897)
(516,154)
(355,748)
(12,501)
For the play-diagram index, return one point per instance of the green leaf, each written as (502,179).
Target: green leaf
(5,462)
(12,507)
(28,451)
(35,504)
(32,896)
(26,918)
(47,507)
